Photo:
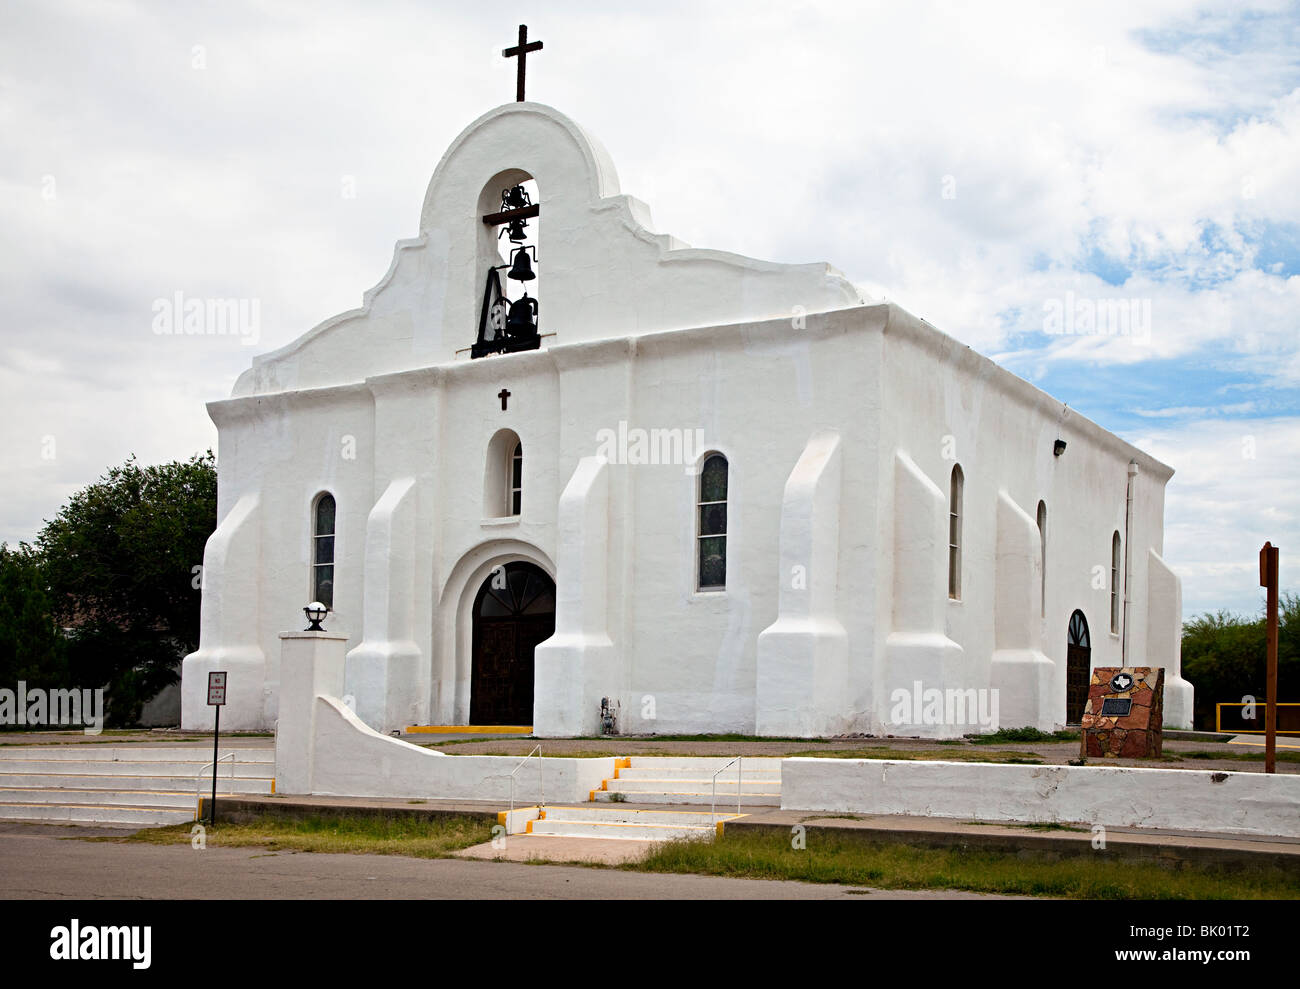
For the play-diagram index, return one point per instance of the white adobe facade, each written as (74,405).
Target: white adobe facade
(841,423)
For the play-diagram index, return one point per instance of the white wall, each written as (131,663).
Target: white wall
(944,404)
(350,759)
(1251,803)
(606,274)
(377,401)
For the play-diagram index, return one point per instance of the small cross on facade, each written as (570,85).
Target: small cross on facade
(522,49)
(503,394)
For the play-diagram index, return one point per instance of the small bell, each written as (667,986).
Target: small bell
(522,269)
(516,197)
(516,232)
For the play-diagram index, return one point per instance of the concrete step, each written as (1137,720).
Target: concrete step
(661,773)
(626,825)
(695,797)
(696,785)
(136,767)
(614,814)
(134,816)
(90,781)
(761,765)
(617,832)
(133,753)
(123,785)
(104,798)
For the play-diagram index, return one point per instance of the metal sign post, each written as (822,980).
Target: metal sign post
(1268,579)
(217,699)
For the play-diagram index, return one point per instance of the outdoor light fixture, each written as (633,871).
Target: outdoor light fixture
(315,613)
(1059,448)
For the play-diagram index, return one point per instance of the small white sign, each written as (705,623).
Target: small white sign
(216,689)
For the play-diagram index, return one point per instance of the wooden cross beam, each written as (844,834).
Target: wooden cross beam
(522,49)
(526,213)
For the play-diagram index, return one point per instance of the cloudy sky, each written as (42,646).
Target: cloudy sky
(983,166)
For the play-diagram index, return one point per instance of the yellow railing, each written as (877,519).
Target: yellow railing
(1257,720)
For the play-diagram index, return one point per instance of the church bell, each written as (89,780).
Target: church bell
(522,321)
(522,269)
(516,197)
(516,231)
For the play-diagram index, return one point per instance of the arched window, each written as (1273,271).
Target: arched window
(322,570)
(1114,583)
(503,476)
(517,478)
(1042,555)
(711,537)
(954,533)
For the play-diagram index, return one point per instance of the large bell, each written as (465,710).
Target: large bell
(522,269)
(522,321)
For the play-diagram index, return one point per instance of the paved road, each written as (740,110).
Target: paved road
(42,863)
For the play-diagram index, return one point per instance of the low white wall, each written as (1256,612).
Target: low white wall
(351,759)
(1189,800)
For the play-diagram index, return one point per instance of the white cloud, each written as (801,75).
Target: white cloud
(1237,485)
(203,150)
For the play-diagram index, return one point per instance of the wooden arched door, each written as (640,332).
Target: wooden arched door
(513,611)
(1078,668)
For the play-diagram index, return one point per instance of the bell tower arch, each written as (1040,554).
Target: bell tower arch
(507,269)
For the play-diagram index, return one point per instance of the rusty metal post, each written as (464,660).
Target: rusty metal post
(1268,578)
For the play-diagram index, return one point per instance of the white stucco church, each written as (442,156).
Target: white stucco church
(725,494)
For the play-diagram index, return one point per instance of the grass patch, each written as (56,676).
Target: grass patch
(831,858)
(582,754)
(922,755)
(1026,734)
(1049,826)
(726,737)
(479,740)
(615,739)
(1028,825)
(1282,755)
(416,836)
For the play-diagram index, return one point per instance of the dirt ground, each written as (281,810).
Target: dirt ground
(1177,751)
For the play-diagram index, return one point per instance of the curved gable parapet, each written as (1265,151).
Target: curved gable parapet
(564,159)
(604,271)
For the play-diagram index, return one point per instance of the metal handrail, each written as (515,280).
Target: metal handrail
(198,781)
(541,790)
(740,769)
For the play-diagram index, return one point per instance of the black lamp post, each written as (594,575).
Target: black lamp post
(315,613)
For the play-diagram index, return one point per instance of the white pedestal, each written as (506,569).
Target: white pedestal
(311,663)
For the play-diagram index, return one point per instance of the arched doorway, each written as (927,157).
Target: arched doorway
(1078,668)
(513,611)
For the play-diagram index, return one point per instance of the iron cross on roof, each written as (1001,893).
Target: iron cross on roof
(522,49)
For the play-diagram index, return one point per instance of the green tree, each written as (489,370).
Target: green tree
(120,564)
(1225,658)
(32,648)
